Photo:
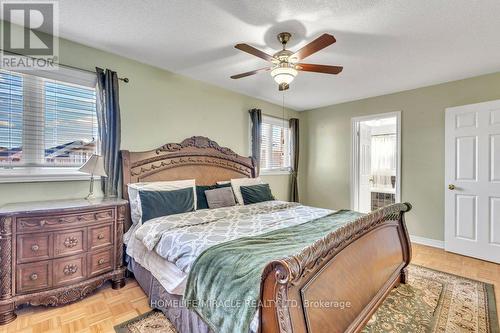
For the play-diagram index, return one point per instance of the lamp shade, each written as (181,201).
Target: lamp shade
(94,166)
(284,74)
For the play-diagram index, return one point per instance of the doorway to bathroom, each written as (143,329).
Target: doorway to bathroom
(376,161)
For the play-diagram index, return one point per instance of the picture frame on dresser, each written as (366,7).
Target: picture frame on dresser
(56,252)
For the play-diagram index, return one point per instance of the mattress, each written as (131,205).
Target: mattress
(166,247)
(181,238)
(166,297)
(168,274)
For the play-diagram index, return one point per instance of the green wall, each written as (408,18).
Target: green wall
(326,160)
(157,107)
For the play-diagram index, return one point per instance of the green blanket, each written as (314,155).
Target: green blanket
(223,286)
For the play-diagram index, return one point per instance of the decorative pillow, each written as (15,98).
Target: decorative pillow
(220,197)
(256,193)
(201,199)
(163,203)
(238,182)
(135,200)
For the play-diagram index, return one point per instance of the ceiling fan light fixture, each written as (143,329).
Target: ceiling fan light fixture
(284,74)
(285,64)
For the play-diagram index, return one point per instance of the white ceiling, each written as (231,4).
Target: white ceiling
(384,46)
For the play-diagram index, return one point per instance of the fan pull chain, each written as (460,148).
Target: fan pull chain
(283,118)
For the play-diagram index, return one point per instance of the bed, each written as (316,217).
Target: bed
(359,262)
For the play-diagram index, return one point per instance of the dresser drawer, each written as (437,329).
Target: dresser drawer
(101,261)
(70,242)
(34,247)
(69,270)
(42,223)
(100,236)
(55,252)
(35,276)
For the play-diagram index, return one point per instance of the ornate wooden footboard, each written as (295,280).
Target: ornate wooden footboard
(337,283)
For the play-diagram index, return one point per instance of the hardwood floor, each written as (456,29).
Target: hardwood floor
(100,312)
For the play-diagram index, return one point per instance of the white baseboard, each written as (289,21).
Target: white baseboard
(427,241)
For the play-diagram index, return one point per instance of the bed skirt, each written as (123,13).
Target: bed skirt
(184,320)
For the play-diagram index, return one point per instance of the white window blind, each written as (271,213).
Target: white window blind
(46,122)
(275,145)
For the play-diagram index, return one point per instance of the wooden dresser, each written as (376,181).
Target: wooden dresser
(56,252)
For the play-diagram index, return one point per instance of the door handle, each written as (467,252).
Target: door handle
(451,187)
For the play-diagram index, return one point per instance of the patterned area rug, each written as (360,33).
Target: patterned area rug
(435,301)
(150,322)
(410,307)
(432,301)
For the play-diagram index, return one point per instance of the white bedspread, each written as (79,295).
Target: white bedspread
(169,276)
(181,238)
(167,246)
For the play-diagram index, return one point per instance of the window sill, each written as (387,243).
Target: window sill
(24,175)
(274,172)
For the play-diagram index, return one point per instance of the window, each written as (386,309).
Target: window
(275,145)
(48,121)
(383,160)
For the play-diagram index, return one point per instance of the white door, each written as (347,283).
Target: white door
(472,164)
(365,175)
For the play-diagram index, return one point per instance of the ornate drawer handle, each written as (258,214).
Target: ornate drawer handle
(100,236)
(35,247)
(33,277)
(70,242)
(70,269)
(100,261)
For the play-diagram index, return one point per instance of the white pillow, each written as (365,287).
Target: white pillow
(135,199)
(238,182)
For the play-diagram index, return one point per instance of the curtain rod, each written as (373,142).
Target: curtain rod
(124,79)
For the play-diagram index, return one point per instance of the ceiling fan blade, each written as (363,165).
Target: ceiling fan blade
(283,86)
(239,76)
(318,44)
(253,51)
(319,68)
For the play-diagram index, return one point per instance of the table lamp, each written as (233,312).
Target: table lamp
(94,167)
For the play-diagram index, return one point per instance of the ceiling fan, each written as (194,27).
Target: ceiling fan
(285,63)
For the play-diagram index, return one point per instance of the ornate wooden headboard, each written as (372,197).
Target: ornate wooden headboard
(197,158)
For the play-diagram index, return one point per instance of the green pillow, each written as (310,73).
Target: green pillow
(163,203)
(256,193)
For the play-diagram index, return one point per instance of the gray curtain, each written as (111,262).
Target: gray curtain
(108,116)
(256,118)
(294,141)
